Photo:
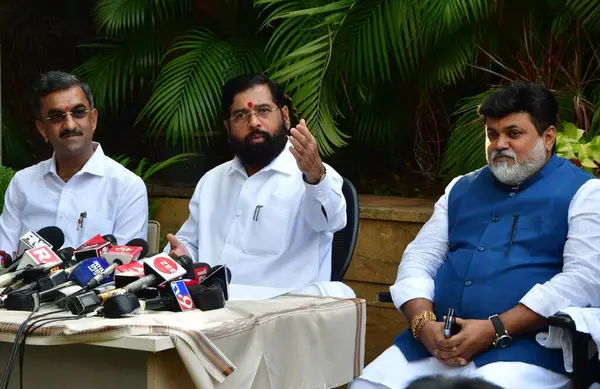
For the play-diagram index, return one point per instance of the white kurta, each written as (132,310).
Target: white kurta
(113,198)
(269,228)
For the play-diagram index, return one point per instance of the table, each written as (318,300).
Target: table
(287,342)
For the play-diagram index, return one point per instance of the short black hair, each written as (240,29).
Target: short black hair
(244,82)
(522,96)
(441,382)
(54,80)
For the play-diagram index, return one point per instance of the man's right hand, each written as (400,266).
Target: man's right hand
(431,333)
(177,248)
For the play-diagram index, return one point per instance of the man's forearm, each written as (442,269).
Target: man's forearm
(521,319)
(413,307)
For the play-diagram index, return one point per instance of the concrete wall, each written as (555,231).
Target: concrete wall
(387,226)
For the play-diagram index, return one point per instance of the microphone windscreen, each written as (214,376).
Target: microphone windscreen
(207,298)
(110,239)
(53,235)
(188,264)
(139,242)
(65,253)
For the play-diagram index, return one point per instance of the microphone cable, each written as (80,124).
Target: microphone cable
(13,352)
(31,329)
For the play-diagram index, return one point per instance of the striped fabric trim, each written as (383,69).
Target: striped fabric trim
(52,331)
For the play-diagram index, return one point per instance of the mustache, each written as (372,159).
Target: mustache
(503,153)
(254,132)
(75,131)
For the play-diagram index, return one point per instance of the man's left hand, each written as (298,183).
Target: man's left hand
(475,337)
(305,150)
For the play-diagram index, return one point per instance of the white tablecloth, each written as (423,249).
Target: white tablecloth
(286,342)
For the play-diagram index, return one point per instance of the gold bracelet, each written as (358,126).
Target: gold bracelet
(419,321)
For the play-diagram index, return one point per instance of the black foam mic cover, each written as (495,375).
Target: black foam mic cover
(53,235)
(139,242)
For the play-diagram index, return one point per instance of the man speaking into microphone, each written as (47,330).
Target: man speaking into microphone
(79,189)
(271,212)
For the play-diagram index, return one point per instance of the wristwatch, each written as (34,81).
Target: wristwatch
(320,178)
(502,338)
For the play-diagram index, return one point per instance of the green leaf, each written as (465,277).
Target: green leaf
(588,10)
(586,162)
(584,151)
(187,93)
(120,68)
(465,151)
(117,17)
(303,63)
(571,131)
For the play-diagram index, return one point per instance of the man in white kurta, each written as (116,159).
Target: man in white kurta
(270,213)
(80,190)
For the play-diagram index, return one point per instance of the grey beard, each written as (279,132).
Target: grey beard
(519,171)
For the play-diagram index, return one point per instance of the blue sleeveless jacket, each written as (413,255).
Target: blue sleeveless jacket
(502,241)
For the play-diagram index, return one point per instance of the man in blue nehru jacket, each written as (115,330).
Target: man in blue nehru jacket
(507,246)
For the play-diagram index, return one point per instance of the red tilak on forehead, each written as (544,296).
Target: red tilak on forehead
(67,109)
(249,104)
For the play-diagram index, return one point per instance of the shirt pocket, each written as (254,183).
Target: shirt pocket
(267,232)
(97,221)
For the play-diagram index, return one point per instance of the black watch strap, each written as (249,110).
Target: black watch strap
(498,326)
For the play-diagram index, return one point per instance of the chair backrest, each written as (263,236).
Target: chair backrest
(153,237)
(344,240)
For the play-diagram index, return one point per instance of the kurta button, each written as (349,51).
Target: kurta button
(480,248)
(511,194)
(468,283)
(495,219)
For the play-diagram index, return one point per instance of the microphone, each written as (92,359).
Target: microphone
(201,270)
(37,261)
(110,238)
(91,269)
(132,251)
(28,301)
(54,236)
(160,269)
(79,274)
(5,259)
(174,297)
(91,250)
(220,276)
(126,274)
(119,255)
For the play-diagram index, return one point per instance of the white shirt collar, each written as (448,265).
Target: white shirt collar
(94,165)
(284,163)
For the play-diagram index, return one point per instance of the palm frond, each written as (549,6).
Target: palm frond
(120,68)
(123,159)
(188,89)
(383,33)
(117,17)
(156,167)
(375,119)
(465,150)
(303,65)
(587,10)
(453,57)
(249,56)
(449,14)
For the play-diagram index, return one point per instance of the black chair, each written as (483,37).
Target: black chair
(585,371)
(344,240)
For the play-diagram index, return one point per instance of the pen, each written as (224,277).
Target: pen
(82,216)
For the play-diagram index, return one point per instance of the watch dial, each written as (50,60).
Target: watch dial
(503,341)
